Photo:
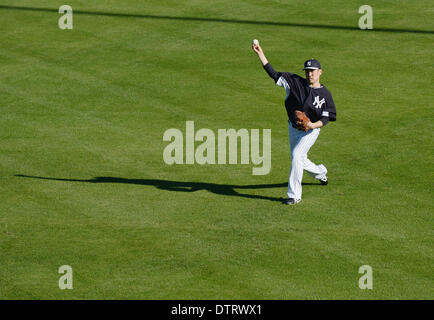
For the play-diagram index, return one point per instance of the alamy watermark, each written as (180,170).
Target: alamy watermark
(65,281)
(366,21)
(205,153)
(65,21)
(366,281)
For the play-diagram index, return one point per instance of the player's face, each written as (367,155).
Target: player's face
(313,76)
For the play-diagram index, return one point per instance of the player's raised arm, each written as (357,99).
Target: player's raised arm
(267,66)
(257,48)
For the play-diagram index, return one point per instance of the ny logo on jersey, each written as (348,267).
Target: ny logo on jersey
(318,103)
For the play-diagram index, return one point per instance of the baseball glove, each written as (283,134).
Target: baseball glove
(302,121)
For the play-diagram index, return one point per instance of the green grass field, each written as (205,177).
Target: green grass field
(83,181)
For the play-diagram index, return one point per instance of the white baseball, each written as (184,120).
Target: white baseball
(255,42)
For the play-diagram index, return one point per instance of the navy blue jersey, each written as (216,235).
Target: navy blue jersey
(317,103)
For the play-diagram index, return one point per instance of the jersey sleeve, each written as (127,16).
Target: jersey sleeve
(329,111)
(272,73)
(282,79)
(292,83)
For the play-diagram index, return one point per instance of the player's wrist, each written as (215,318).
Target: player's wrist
(315,125)
(263,59)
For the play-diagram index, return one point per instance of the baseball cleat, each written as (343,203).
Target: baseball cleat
(324,181)
(291,201)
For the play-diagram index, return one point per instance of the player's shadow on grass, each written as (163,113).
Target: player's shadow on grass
(180,186)
(200,19)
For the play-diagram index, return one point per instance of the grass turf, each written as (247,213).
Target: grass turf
(95,101)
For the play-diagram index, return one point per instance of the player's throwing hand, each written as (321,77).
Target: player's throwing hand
(257,48)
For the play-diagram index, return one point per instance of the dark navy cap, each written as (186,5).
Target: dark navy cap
(312,64)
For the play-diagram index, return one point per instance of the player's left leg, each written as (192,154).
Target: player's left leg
(316,171)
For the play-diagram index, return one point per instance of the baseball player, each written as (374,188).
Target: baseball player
(309,106)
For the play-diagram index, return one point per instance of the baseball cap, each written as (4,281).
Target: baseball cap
(312,64)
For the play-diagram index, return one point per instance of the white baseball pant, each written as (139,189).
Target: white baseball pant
(300,144)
